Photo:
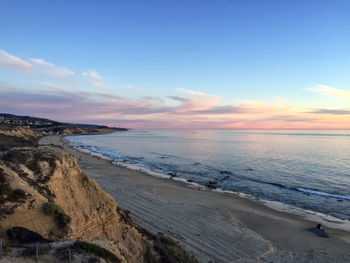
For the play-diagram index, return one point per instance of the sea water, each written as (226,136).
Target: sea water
(307,169)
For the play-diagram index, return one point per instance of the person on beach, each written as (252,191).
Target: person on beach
(129,170)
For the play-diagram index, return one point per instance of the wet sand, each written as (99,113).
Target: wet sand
(217,227)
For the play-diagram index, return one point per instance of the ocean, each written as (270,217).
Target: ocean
(306,169)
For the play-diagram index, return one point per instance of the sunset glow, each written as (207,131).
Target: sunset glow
(237,79)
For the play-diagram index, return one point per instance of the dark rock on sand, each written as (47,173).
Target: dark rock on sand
(211,184)
(318,231)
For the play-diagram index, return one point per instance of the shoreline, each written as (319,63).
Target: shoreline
(227,216)
(315,216)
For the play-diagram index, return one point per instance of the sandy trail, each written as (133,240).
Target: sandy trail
(214,226)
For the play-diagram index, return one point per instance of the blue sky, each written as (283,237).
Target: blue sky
(238,50)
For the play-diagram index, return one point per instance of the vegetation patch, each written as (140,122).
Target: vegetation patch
(96,251)
(5,189)
(7,142)
(174,250)
(17,195)
(169,250)
(53,209)
(62,220)
(22,235)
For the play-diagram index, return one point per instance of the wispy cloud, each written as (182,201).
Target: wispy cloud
(189,112)
(41,62)
(330,91)
(94,78)
(331,111)
(50,85)
(199,101)
(36,66)
(92,74)
(9,61)
(189,109)
(52,71)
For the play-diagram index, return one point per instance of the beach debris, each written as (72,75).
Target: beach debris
(211,184)
(172,174)
(319,231)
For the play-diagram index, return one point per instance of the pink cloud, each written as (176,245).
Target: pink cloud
(199,111)
(9,61)
(36,66)
(191,110)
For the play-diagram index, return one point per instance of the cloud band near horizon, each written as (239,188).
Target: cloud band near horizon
(61,99)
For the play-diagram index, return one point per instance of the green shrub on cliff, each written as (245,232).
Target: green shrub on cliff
(53,209)
(62,220)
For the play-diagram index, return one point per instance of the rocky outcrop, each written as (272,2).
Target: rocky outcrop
(32,177)
(16,137)
(20,132)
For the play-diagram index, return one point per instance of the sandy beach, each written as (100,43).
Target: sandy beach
(217,227)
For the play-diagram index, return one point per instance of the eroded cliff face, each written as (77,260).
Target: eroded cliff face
(31,177)
(20,132)
(16,137)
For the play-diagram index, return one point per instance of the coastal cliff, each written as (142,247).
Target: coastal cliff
(34,178)
(45,197)
(16,137)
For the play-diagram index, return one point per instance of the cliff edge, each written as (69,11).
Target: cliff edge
(45,197)
(38,181)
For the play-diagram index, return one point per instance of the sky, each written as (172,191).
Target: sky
(238,64)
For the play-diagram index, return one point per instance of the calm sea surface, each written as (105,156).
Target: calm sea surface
(307,169)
